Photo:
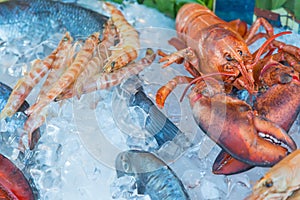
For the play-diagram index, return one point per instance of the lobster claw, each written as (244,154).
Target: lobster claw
(225,164)
(236,128)
(261,147)
(272,104)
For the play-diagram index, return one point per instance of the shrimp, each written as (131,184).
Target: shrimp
(107,80)
(60,64)
(281,181)
(70,75)
(34,121)
(95,65)
(38,70)
(63,60)
(126,50)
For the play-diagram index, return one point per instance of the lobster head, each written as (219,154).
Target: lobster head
(223,50)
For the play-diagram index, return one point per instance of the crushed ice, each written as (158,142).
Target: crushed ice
(65,166)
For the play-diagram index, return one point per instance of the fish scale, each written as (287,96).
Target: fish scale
(153,176)
(162,180)
(39,17)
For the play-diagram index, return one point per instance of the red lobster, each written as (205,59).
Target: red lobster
(280,98)
(212,47)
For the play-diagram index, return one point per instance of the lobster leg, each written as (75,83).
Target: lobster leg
(177,43)
(165,90)
(292,61)
(288,53)
(254,28)
(177,60)
(287,48)
(184,55)
(187,54)
(291,53)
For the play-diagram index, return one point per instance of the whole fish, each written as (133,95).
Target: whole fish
(152,175)
(41,18)
(157,124)
(18,120)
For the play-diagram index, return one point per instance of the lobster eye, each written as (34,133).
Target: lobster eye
(269,183)
(228,57)
(240,52)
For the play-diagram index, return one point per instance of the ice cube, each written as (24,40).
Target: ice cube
(169,151)
(192,178)
(51,178)
(48,154)
(8,59)
(123,187)
(17,70)
(3,125)
(142,141)
(209,190)
(238,184)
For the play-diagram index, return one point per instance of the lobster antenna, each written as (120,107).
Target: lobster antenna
(269,40)
(201,78)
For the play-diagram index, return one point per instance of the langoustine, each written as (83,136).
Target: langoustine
(127,48)
(281,182)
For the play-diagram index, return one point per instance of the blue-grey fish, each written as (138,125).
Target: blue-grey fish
(153,176)
(157,124)
(39,18)
(17,120)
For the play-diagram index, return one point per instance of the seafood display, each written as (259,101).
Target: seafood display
(154,177)
(281,181)
(245,102)
(242,129)
(65,64)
